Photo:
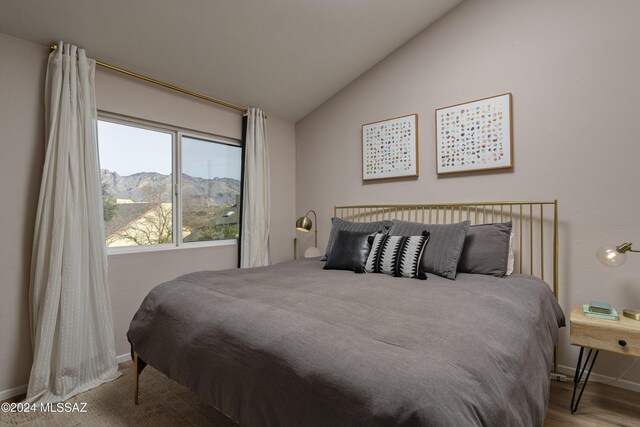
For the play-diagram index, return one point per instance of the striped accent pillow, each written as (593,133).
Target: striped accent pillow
(398,256)
(445,244)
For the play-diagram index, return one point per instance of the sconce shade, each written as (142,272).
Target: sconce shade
(611,255)
(304,224)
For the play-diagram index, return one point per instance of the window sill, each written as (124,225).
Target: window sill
(169,247)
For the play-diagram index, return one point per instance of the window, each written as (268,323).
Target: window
(161,186)
(210,190)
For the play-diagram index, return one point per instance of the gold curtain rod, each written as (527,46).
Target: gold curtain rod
(54,47)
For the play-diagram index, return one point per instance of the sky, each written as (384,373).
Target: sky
(207,160)
(127,150)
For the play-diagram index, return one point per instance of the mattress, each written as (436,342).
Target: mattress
(295,345)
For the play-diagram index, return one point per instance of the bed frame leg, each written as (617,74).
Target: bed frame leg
(136,377)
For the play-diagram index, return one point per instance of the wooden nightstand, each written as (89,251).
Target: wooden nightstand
(621,336)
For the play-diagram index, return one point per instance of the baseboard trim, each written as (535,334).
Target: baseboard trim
(17,391)
(625,384)
(13,392)
(123,358)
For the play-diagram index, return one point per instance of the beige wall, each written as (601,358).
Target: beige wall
(573,69)
(131,276)
(22,71)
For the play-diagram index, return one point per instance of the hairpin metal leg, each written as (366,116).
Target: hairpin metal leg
(578,376)
(135,377)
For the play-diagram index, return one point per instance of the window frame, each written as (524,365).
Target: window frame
(177,133)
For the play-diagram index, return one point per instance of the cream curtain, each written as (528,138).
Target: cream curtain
(256,205)
(71,321)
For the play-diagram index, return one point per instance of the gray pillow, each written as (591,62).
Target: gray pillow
(338,224)
(486,249)
(442,254)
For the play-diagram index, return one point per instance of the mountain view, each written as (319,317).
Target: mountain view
(138,208)
(216,191)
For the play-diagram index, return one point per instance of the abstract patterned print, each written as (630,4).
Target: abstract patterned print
(397,256)
(475,135)
(389,148)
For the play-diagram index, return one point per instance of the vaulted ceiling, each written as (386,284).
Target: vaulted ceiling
(285,56)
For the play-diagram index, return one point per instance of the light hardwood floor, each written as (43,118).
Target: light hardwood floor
(601,405)
(166,403)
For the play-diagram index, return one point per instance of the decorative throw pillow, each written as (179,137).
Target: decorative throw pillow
(444,247)
(338,224)
(350,251)
(486,249)
(397,256)
(512,255)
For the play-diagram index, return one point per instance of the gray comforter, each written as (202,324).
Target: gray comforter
(296,345)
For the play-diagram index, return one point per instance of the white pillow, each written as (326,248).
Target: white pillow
(512,256)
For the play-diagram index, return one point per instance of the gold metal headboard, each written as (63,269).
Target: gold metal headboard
(534,226)
(528,218)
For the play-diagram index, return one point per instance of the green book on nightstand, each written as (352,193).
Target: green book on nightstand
(599,307)
(588,313)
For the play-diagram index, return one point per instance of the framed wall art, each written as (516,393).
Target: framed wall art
(390,148)
(475,136)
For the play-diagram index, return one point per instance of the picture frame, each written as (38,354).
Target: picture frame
(390,149)
(475,136)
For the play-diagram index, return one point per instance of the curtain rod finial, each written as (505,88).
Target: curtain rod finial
(53,47)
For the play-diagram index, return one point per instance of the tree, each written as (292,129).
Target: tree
(155,226)
(216,232)
(109,204)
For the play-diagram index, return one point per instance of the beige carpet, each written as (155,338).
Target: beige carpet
(166,403)
(163,402)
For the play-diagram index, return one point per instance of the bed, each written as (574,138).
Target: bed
(293,344)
